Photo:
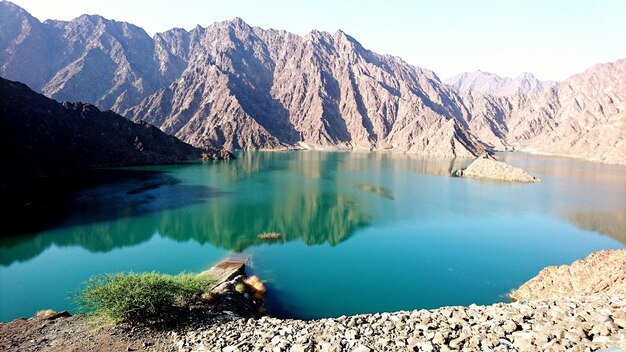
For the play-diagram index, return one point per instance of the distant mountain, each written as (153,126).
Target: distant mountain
(234,86)
(492,84)
(40,137)
(583,116)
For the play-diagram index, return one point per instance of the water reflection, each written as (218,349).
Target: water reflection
(97,196)
(311,218)
(379,190)
(317,165)
(568,168)
(612,224)
(131,198)
(128,212)
(314,197)
(470,241)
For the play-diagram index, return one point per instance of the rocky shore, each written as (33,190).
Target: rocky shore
(587,324)
(591,321)
(600,272)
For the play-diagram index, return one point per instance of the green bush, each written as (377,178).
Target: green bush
(141,297)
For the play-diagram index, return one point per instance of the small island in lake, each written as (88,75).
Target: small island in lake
(487,168)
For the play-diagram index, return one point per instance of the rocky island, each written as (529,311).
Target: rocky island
(589,321)
(487,168)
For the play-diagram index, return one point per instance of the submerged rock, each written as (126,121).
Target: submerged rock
(488,168)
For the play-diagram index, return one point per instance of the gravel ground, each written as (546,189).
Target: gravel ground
(569,325)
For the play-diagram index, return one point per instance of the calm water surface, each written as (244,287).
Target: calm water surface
(362,232)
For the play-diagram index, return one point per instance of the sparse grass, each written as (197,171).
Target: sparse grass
(512,295)
(141,297)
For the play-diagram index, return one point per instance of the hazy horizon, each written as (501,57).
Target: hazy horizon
(552,40)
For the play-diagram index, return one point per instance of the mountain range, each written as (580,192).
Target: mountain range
(234,86)
(492,84)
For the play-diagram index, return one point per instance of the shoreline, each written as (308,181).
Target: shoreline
(424,156)
(591,320)
(588,324)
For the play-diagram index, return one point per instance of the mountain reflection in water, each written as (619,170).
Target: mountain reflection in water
(345,220)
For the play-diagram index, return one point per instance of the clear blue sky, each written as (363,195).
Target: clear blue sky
(553,39)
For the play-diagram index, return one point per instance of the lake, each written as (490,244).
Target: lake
(361,232)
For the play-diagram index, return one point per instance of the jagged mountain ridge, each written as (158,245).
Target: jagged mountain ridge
(585,115)
(236,86)
(492,84)
(91,59)
(258,88)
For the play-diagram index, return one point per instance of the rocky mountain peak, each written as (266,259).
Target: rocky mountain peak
(9,6)
(320,37)
(343,40)
(525,76)
(237,22)
(492,84)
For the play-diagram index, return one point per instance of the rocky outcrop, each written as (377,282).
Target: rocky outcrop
(487,168)
(600,272)
(492,84)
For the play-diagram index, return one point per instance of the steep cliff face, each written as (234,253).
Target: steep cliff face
(234,86)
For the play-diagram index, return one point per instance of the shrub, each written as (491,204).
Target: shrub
(141,297)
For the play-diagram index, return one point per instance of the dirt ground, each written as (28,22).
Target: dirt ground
(77,333)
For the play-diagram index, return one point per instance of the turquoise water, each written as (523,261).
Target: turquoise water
(362,232)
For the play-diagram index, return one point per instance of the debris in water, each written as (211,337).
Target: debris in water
(269,236)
